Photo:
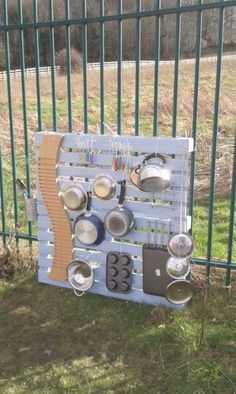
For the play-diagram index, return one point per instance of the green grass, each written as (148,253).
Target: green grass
(220,229)
(54,342)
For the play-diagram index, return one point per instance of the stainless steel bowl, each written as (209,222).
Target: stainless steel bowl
(178,268)
(180,245)
(80,275)
(179,292)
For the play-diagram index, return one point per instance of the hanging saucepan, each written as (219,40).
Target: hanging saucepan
(151,177)
(119,221)
(74,196)
(104,187)
(179,292)
(88,228)
(178,268)
(80,275)
(180,245)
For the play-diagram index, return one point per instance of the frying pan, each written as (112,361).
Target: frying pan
(120,220)
(88,228)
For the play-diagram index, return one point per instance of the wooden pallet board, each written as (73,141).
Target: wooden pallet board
(166,206)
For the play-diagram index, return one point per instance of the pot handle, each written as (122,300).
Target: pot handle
(78,293)
(89,201)
(153,156)
(122,192)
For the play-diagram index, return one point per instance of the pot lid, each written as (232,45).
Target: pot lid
(180,245)
(177,268)
(179,292)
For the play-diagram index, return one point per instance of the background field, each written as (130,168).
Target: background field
(226,129)
(53,342)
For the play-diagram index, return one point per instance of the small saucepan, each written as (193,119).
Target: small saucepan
(104,187)
(88,228)
(74,197)
(119,221)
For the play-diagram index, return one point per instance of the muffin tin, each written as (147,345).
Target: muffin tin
(119,272)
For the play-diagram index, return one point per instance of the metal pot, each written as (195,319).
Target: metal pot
(119,221)
(179,292)
(80,275)
(74,197)
(88,228)
(151,177)
(104,187)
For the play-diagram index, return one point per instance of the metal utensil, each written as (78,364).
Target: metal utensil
(178,268)
(74,197)
(104,187)
(30,202)
(151,177)
(119,221)
(179,292)
(88,228)
(180,245)
(80,275)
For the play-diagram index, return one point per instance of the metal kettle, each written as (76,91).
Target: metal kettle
(151,177)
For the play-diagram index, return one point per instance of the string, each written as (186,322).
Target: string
(162,233)
(157,143)
(153,194)
(158,233)
(181,201)
(78,137)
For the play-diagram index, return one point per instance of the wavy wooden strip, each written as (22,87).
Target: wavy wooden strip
(47,177)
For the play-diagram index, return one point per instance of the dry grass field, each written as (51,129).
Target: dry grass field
(226,127)
(50,341)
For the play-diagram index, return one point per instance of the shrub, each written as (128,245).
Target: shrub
(76,60)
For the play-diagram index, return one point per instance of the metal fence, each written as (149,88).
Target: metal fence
(10,206)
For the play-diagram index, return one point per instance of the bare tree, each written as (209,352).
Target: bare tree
(76,60)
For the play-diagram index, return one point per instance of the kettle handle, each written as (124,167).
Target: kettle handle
(153,156)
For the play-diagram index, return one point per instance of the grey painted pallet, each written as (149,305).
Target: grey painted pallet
(165,206)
